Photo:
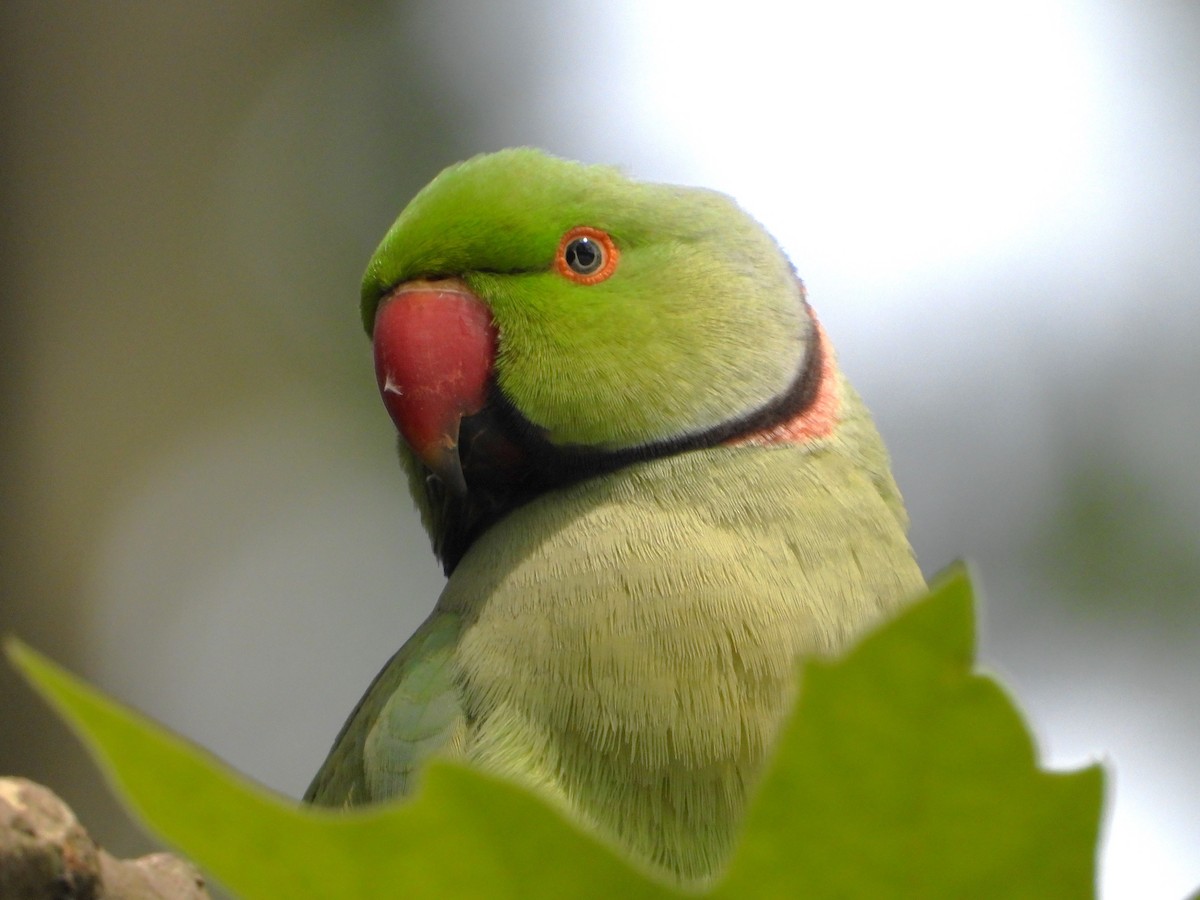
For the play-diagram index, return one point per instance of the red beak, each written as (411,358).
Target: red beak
(435,345)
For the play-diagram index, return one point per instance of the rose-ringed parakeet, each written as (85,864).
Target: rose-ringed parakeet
(650,486)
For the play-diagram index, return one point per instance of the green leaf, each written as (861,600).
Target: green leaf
(901,773)
(463,835)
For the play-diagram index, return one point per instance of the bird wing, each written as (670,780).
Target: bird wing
(411,711)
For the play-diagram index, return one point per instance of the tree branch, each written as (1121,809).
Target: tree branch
(45,854)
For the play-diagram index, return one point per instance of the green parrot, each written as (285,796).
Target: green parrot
(649,484)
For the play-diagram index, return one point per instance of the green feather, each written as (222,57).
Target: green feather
(409,713)
(690,263)
(627,645)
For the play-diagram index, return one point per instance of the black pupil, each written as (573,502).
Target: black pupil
(583,256)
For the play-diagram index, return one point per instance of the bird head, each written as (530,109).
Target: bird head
(537,321)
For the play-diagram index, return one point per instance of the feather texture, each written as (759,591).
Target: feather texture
(704,500)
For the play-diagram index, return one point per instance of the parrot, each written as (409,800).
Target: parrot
(650,487)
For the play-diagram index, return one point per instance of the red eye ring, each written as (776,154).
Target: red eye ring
(586,255)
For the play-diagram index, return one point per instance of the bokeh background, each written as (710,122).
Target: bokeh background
(996,208)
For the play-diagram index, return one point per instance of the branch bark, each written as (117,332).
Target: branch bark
(45,854)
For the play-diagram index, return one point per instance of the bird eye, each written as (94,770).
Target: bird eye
(586,255)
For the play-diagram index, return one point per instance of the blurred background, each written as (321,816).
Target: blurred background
(996,208)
